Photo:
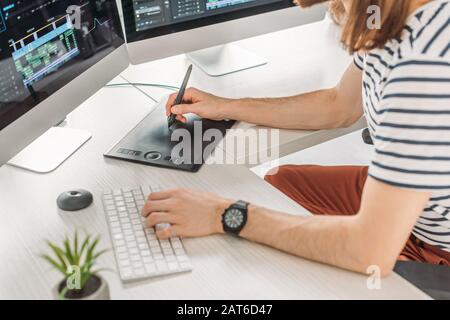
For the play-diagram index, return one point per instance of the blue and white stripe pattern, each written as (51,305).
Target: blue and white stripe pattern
(406,93)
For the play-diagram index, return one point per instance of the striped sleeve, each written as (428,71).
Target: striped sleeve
(358,60)
(412,139)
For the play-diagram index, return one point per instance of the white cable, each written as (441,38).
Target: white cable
(142,91)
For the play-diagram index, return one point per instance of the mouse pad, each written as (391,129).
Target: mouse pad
(186,147)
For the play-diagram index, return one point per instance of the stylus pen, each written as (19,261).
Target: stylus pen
(172,118)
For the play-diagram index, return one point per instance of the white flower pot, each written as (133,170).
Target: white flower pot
(97,289)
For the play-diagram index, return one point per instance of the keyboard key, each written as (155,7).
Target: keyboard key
(135,257)
(172,265)
(127,272)
(140,233)
(161,265)
(125,262)
(177,244)
(158,256)
(147,259)
(122,256)
(156,250)
(133,211)
(140,203)
(179,252)
(126,226)
(153,243)
(116,230)
(115,224)
(150,268)
(118,236)
(171,258)
(112,213)
(165,244)
(132,244)
(139,271)
(121,249)
(141,239)
(167,251)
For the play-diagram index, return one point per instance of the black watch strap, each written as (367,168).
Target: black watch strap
(241,205)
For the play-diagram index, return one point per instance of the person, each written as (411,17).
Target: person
(398,208)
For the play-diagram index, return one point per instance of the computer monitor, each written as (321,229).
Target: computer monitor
(54,54)
(161,28)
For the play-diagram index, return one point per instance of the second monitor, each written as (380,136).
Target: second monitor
(161,28)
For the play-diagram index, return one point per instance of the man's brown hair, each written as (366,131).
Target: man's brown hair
(356,35)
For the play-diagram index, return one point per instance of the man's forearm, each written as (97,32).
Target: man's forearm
(311,111)
(331,240)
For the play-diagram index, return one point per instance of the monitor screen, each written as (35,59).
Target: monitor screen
(151,18)
(44,44)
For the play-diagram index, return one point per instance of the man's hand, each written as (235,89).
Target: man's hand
(190,213)
(202,104)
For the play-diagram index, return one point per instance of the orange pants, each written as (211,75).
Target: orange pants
(337,191)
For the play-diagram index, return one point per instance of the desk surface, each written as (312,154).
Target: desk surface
(224,267)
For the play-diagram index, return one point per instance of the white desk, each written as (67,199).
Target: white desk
(224,267)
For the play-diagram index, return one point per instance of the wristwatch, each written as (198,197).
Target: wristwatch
(235,217)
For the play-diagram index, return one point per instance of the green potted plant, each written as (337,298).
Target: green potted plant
(75,260)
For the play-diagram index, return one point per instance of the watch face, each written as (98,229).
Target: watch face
(234,218)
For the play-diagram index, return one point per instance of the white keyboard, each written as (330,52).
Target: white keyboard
(139,254)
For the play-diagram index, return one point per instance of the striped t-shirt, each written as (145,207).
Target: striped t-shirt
(406,94)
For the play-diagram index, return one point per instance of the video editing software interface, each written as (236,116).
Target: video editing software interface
(150,14)
(45,44)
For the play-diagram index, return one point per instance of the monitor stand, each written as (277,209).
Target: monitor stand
(221,60)
(50,150)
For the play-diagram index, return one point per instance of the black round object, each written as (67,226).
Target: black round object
(74,200)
